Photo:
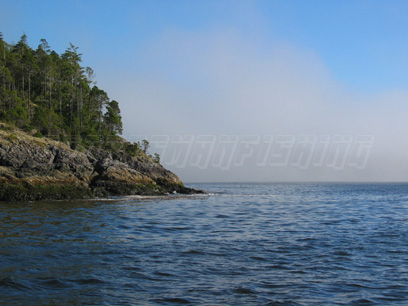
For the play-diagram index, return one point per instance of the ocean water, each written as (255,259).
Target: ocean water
(241,244)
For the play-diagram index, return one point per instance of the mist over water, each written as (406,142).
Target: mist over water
(224,83)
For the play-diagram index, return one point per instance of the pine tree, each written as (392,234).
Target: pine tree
(55,95)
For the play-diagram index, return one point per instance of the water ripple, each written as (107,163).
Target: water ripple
(241,244)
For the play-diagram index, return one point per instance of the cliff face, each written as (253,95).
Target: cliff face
(39,168)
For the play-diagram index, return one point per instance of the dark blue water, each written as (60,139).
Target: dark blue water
(245,244)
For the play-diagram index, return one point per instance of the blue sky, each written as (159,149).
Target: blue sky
(241,67)
(363,43)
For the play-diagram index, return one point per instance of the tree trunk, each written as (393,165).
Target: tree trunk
(45,84)
(29,97)
(60,100)
(22,82)
(50,102)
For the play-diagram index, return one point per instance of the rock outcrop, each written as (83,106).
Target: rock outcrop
(39,168)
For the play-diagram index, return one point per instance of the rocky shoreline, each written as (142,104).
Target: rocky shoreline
(34,168)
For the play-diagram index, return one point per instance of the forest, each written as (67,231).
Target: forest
(52,95)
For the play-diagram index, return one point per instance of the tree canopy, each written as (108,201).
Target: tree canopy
(53,94)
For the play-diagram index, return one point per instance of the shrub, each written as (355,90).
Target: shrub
(38,135)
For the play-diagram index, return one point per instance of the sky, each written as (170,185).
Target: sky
(245,90)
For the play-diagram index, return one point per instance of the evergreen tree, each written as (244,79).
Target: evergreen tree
(55,95)
(112,118)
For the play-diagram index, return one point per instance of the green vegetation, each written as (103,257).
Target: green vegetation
(25,192)
(156,158)
(52,95)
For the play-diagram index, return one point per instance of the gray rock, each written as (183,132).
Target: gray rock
(32,169)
